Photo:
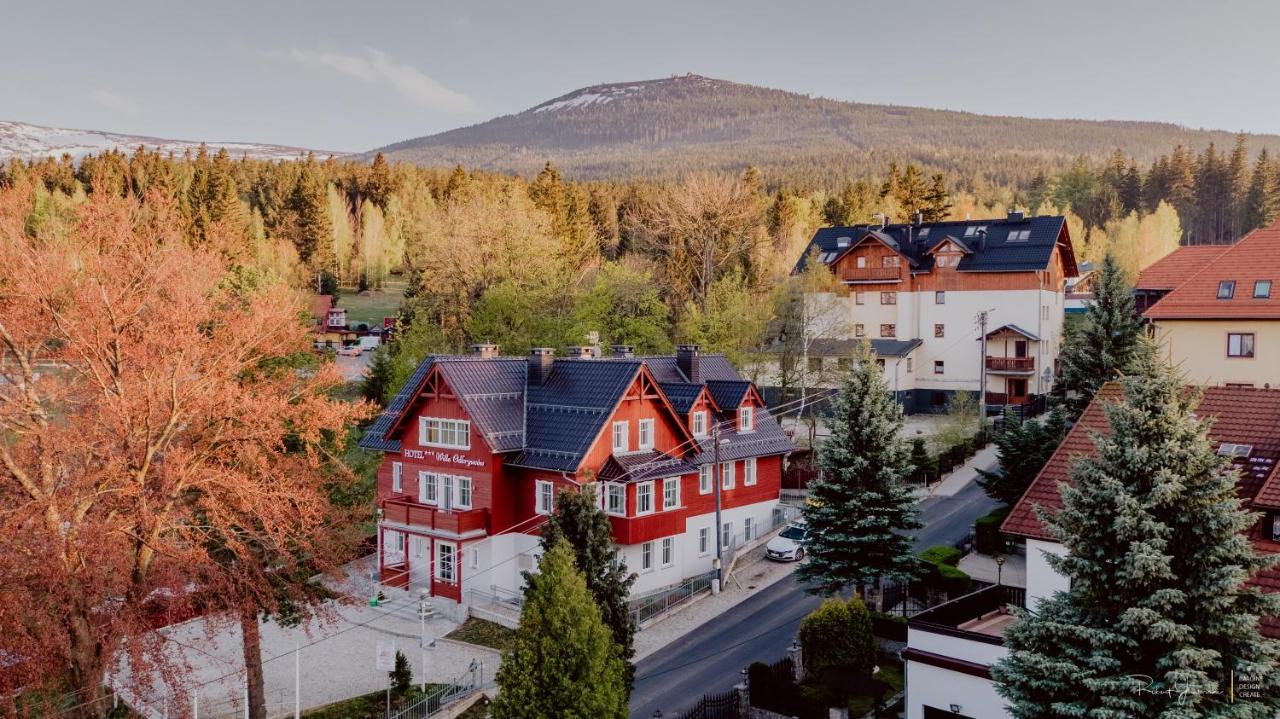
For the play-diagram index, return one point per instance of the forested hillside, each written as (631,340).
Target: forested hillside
(662,128)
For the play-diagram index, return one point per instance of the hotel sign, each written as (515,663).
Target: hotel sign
(442,457)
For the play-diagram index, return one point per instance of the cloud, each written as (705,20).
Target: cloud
(114,101)
(378,68)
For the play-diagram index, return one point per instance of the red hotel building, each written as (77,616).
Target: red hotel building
(477,446)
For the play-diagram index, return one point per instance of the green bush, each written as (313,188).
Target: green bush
(940,563)
(987,538)
(889,626)
(949,556)
(837,636)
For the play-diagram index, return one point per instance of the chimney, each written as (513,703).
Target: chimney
(581,352)
(627,351)
(540,359)
(1015,215)
(919,218)
(484,350)
(982,239)
(687,360)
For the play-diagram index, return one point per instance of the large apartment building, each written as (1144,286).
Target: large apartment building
(1220,322)
(477,447)
(951,647)
(922,291)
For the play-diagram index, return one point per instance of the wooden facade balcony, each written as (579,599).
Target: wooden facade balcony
(871,274)
(457,521)
(1011,364)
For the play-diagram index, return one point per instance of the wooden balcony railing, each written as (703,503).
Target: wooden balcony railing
(404,511)
(872,274)
(1011,364)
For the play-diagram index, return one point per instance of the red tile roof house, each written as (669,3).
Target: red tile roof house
(476,448)
(951,647)
(1165,274)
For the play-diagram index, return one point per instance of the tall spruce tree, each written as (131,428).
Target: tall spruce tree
(1102,347)
(860,510)
(562,661)
(1023,447)
(579,521)
(1157,620)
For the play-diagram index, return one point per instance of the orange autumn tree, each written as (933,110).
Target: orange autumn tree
(158,448)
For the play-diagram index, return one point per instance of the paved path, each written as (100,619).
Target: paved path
(709,659)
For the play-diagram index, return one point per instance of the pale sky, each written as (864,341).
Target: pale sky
(354,75)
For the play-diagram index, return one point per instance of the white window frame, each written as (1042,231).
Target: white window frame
(746,418)
(727,479)
(646,557)
(644,490)
(667,552)
(700,423)
(452,576)
(397,477)
(704,541)
(458,483)
(428,491)
(706,478)
(644,429)
(613,490)
(621,440)
(544,490)
(748,527)
(726,534)
(473,557)
(670,491)
(460,429)
(749,472)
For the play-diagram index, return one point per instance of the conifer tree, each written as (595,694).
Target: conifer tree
(1157,620)
(1262,203)
(562,661)
(585,528)
(1101,348)
(860,509)
(1023,447)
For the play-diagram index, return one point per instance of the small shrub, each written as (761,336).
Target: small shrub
(949,556)
(889,626)
(987,537)
(942,572)
(401,677)
(837,636)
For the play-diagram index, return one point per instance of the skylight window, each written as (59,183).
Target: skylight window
(1242,451)
(1262,289)
(923,233)
(1018,236)
(1226,289)
(972,230)
(843,241)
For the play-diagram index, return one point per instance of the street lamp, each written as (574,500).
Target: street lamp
(999,569)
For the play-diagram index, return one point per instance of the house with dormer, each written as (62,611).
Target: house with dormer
(478,446)
(920,292)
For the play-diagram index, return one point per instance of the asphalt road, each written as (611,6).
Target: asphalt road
(709,660)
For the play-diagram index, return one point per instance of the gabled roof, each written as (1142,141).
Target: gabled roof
(1176,267)
(954,240)
(375,437)
(1255,257)
(1014,329)
(1242,415)
(728,394)
(874,236)
(710,367)
(1003,250)
(684,395)
(639,466)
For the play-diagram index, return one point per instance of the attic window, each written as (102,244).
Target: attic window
(1262,289)
(1241,451)
(923,233)
(825,257)
(843,241)
(972,230)
(1018,236)
(1226,289)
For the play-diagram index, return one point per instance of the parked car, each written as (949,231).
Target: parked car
(369,342)
(350,351)
(788,546)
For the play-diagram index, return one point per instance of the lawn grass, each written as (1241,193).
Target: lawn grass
(373,306)
(890,673)
(366,706)
(483,632)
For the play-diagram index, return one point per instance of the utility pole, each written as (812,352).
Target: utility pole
(297,682)
(982,372)
(717,476)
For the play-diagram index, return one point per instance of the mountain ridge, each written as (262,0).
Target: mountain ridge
(28,141)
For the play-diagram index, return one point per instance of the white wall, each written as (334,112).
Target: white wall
(1042,580)
(940,688)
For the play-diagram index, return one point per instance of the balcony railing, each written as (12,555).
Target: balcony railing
(1011,364)
(872,274)
(404,511)
(981,616)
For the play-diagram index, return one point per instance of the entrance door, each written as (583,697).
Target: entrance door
(1020,348)
(446,492)
(1017,390)
(419,561)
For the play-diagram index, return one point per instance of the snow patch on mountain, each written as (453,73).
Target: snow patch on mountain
(25,141)
(586,97)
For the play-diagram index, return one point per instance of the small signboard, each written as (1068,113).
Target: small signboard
(386,660)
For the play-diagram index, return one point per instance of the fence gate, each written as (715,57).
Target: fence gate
(716,706)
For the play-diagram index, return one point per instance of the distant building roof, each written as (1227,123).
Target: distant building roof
(1177,267)
(823,347)
(1250,264)
(1011,244)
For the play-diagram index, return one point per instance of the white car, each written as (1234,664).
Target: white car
(788,546)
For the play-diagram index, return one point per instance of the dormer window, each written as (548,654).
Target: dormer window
(700,423)
(843,241)
(1226,289)
(620,440)
(746,419)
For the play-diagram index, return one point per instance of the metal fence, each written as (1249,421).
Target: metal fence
(441,696)
(654,604)
(715,706)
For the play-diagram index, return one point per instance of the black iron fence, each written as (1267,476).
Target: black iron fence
(715,706)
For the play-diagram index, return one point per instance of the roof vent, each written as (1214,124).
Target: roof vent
(919,218)
(581,352)
(484,350)
(687,360)
(540,360)
(1015,215)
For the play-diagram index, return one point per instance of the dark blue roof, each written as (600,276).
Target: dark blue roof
(766,439)
(373,437)
(710,366)
(566,413)
(639,466)
(1004,249)
(728,394)
(681,394)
